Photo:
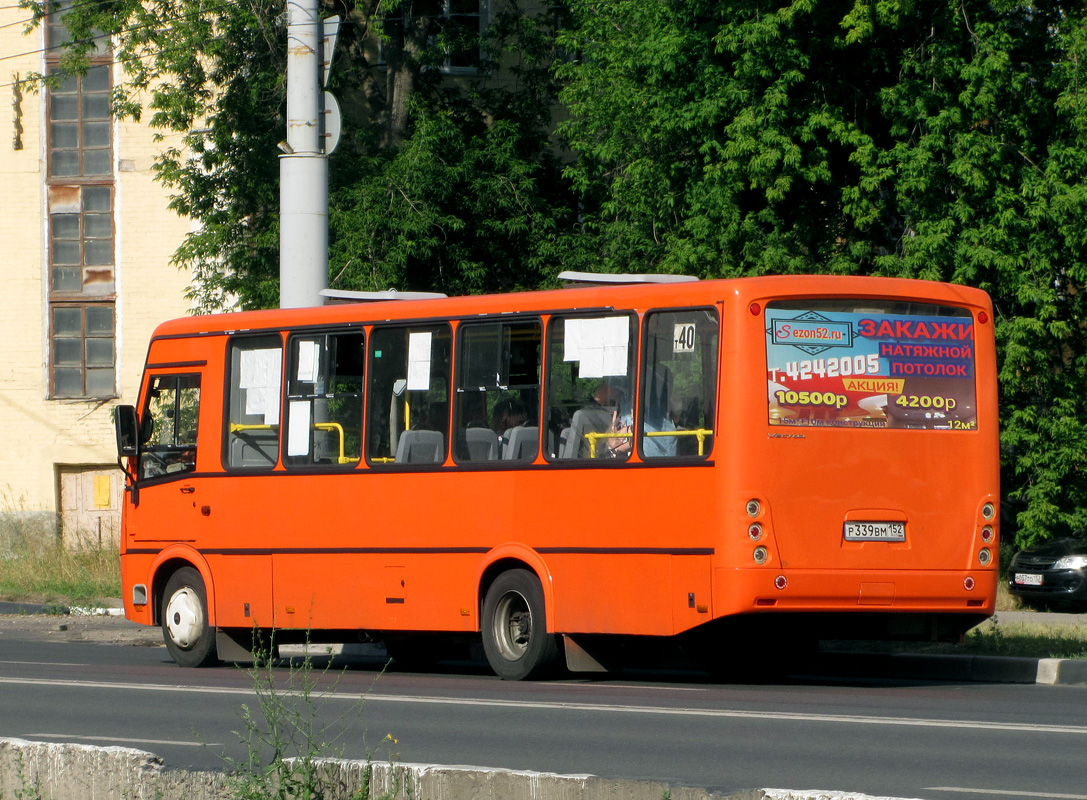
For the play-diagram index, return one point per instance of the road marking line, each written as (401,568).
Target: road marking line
(1006,793)
(82,738)
(45,663)
(521,705)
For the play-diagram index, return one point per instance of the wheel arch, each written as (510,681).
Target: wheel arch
(166,564)
(514,556)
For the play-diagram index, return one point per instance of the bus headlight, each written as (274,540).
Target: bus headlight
(754,530)
(760,555)
(984,557)
(754,508)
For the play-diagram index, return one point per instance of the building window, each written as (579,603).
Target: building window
(455,25)
(461,24)
(81,240)
(80,280)
(82,343)
(79,126)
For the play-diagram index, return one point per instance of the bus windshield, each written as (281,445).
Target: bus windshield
(863,364)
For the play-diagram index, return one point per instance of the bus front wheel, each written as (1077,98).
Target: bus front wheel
(189,638)
(515,636)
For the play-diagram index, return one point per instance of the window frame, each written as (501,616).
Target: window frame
(267,336)
(297,335)
(643,373)
(83,308)
(502,322)
(91,276)
(86,270)
(80,121)
(484,17)
(370,395)
(145,410)
(633,364)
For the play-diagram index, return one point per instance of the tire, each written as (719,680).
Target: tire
(185,629)
(515,637)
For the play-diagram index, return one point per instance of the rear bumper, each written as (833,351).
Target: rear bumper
(744,591)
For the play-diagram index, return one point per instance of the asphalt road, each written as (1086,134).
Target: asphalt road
(880,737)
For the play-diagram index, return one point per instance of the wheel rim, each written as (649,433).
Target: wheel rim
(184,618)
(512,625)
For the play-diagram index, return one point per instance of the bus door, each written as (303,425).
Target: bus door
(168,507)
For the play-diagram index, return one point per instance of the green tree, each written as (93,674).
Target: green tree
(439,183)
(917,138)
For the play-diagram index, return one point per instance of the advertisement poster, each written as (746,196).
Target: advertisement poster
(856,368)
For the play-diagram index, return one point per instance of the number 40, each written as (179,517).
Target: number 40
(683,338)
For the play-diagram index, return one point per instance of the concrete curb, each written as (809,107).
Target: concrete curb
(974,669)
(82,772)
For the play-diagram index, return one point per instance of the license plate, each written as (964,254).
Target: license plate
(875,531)
(1027,579)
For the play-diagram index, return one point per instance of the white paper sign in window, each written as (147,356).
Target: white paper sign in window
(600,344)
(259,377)
(419,361)
(298,438)
(309,361)
(571,350)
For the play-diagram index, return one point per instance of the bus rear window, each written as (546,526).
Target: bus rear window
(870,364)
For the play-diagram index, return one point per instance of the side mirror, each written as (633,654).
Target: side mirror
(127,428)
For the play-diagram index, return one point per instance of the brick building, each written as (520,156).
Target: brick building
(87,240)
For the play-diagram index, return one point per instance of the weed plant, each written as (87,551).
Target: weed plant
(286,738)
(36,567)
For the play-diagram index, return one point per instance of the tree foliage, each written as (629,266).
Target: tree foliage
(932,139)
(438,183)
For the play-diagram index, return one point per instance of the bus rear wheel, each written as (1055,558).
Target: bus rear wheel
(189,638)
(515,636)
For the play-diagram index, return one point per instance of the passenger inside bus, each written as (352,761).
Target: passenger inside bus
(658,418)
(609,411)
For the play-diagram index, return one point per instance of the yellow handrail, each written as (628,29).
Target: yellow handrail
(335,426)
(701,433)
(237,427)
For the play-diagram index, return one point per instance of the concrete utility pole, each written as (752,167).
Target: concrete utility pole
(303,167)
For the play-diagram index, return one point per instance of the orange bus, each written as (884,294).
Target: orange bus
(792,457)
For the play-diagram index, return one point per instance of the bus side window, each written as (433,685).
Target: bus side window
(169,425)
(590,387)
(252,438)
(498,391)
(679,383)
(324,399)
(409,395)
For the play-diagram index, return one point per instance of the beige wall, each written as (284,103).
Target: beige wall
(40,438)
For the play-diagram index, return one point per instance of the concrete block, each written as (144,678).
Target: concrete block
(1062,671)
(1003,669)
(55,771)
(59,771)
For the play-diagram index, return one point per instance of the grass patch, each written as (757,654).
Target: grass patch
(1027,639)
(995,638)
(35,567)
